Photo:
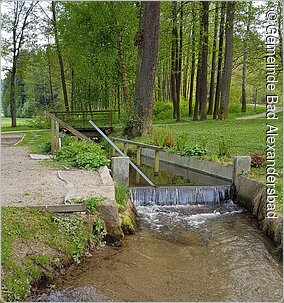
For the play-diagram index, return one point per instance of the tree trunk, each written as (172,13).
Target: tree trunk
(179,63)
(198,76)
(72,88)
(60,58)
(174,92)
(220,60)
(213,63)
(147,68)
(244,74)
(227,71)
(192,73)
(203,83)
(126,97)
(12,95)
(50,79)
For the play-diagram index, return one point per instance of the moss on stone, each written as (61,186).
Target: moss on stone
(127,225)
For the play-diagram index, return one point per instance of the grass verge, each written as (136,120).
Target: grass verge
(34,243)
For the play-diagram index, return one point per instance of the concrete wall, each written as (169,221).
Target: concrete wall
(252,195)
(206,167)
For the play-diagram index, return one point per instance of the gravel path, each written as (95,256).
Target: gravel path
(24,182)
(262,115)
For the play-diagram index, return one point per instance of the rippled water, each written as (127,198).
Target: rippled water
(181,253)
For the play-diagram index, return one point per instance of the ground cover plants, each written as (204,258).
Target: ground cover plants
(54,240)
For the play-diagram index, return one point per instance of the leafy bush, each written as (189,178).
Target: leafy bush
(196,150)
(163,110)
(45,147)
(224,147)
(163,137)
(92,203)
(82,155)
(181,141)
(121,196)
(41,121)
(258,160)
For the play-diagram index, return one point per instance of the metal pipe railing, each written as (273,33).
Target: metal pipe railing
(121,153)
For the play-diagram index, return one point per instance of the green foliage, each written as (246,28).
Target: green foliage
(92,203)
(36,141)
(224,147)
(196,150)
(121,196)
(41,121)
(45,147)
(127,225)
(41,232)
(82,155)
(99,232)
(181,141)
(163,137)
(162,110)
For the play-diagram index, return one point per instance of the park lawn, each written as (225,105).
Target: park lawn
(39,122)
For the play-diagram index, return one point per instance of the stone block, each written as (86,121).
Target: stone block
(120,170)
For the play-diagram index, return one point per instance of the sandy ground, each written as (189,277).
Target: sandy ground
(26,182)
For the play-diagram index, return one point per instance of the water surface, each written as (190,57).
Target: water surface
(181,253)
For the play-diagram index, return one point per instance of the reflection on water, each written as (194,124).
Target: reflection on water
(171,174)
(183,253)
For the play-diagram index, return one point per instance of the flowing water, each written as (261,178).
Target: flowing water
(181,253)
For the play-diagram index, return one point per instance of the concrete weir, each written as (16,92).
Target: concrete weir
(181,195)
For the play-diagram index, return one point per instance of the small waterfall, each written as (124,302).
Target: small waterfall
(181,195)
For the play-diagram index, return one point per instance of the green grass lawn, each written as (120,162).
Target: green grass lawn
(39,122)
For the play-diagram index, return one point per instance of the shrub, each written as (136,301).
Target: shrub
(162,110)
(224,147)
(45,147)
(181,141)
(92,203)
(163,137)
(121,196)
(257,160)
(196,150)
(82,155)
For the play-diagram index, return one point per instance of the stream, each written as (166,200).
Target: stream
(180,253)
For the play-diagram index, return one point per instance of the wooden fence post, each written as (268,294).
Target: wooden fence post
(157,163)
(138,156)
(125,148)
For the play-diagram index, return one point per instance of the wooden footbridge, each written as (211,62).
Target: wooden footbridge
(76,123)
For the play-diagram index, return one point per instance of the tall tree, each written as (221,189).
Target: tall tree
(198,75)
(220,60)
(203,80)
(60,57)
(213,63)
(244,70)
(192,72)
(228,61)
(126,97)
(174,55)
(150,27)
(17,23)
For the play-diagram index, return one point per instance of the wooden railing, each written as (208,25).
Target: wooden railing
(139,146)
(55,123)
(79,119)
